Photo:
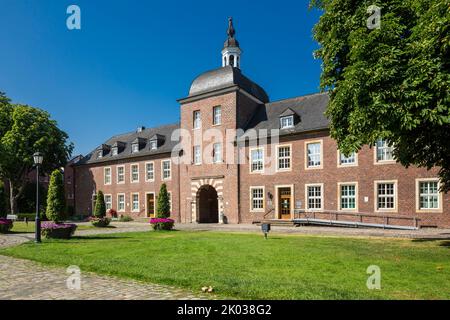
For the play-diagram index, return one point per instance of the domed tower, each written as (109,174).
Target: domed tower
(231,53)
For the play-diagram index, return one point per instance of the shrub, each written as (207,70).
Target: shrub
(112,213)
(51,230)
(3,200)
(163,208)
(162,224)
(100,222)
(5,225)
(126,219)
(55,198)
(100,206)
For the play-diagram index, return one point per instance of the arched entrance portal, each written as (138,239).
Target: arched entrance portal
(207,205)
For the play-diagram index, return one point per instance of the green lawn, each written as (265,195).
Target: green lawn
(22,227)
(247,266)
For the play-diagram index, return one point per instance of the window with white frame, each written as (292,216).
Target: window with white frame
(343,160)
(135,202)
(257,160)
(121,202)
(284,158)
(107,174)
(150,171)
(217,153)
(314,197)
(153,145)
(115,151)
(134,173)
(287,122)
(108,201)
(100,154)
(384,151)
(386,196)
(166,170)
(314,151)
(197,120)
(197,155)
(348,197)
(135,148)
(217,115)
(121,174)
(429,196)
(257,199)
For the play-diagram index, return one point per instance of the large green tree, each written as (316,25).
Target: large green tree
(23,131)
(392,82)
(163,206)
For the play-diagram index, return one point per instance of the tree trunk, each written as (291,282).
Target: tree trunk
(12,198)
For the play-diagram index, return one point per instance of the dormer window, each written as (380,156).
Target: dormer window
(153,145)
(102,151)
(135,148)
(115,151)
(287,122)
(100,154)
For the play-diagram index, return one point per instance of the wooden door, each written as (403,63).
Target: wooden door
(284,203)
(150,205)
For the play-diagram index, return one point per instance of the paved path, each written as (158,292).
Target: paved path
(27,280)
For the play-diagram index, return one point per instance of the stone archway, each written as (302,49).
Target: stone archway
(207,205)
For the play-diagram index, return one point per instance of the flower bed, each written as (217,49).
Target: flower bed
(5,225)
(162,224)
(52,230)
(100,222)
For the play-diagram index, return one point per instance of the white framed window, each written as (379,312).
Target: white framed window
(153,145)
(217,115)
(348,196)
(121,174)
(135,202)
(314,196)
(386,196)
(150,171)
(257,199)
(287,122)
(217,153)
(344,161)
(197,155)
(166,169)
(121,202)
(383,152)
(284,158)
(257,160)
(197,120)
(428,196)
(108,201)
(107,176)
(314,155)
(115,151)
(134,173)
(135,148)
(100,154)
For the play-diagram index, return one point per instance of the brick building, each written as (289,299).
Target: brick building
(236,157)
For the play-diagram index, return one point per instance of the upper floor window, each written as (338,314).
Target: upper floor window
(287,122)
(107,176)
(166,170)
(217,153)
(257,160)
(153,145)
(350,160)
(197,155)
(150,171)
(134,173)
(121,174)
(314,153)
(197,120)
(384,151)
(217,116)
(284,157)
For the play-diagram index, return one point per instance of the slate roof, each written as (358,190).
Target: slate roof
(128,138)
(310,110)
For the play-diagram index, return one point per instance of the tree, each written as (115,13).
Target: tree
(55,198)
(3,202)
(163,208)
(392,82)
(100,206)
(23,131)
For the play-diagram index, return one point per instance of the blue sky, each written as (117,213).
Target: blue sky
(132,59)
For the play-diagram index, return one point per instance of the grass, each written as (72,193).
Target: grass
(248,267)
(22,227)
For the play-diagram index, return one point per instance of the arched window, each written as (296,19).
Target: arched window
(231,61)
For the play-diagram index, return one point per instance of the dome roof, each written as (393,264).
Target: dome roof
(223,78)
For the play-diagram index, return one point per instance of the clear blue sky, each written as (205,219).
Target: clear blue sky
(132,59)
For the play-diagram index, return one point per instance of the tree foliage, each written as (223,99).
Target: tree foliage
(392,82)
(163,207)
(23,131)
(100,206)
(3,202)
(55,198)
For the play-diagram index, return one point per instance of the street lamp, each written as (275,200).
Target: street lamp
(38,158)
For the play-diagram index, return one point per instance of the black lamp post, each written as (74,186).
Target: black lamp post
(38,158)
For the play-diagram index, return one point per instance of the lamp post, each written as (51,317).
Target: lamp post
(38,158)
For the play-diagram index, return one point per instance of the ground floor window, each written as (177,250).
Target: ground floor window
(348,196)
(121,202)
(314,197)
(429,195)
(108,201)
(257,199)
(386,195)
(135,202)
